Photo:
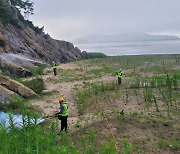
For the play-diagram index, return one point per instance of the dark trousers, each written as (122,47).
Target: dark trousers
(119,80)
(64,122)
(55,72)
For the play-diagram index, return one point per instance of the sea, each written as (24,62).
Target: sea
(133,48)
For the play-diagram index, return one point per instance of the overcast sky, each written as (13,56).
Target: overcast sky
(69,19)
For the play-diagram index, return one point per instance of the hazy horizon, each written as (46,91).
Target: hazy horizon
(69,19)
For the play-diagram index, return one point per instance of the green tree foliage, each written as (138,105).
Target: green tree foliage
(17,3)
(4,15)
(26,5)
(28,10)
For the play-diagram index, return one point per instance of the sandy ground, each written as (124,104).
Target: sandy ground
(50,105)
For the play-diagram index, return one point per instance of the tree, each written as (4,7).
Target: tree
(28,9)
(26,5)
(17,3)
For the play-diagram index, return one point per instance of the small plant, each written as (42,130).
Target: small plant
(162,143)
(127,147)
(121,118)
(108,148)
(175,144)
(148,93)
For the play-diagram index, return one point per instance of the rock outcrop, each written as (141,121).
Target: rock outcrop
(16,87)
(21,37)
(18,65)
(5,95)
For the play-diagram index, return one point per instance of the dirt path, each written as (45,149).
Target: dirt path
(50,105)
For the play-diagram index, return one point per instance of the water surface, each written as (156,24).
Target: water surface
(134,48)
(17,120)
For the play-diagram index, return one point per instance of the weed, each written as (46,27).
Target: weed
(175,144)
(162,143)
(108,148)
(127,147)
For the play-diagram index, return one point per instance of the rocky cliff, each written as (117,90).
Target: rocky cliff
(19,36)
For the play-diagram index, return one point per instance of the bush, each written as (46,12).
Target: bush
(38,70)
(92,55)
(4,15)
(37,84)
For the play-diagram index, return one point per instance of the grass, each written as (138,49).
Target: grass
(38,71)
(36,84)
(85,97)
(32,139)
(173,144)
(149,97)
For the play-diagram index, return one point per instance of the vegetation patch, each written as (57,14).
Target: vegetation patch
(92,55)
(36,84)
(92,92)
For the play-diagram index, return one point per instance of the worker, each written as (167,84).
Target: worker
(63,114)
(54,68)
(119,76)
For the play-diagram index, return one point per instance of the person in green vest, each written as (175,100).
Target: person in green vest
(54,66)
(119,76)
(63,114)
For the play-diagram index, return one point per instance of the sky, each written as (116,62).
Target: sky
(70,19)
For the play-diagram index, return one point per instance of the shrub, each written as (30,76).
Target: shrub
(92,55)
(37,84)
(4,15)
(38,70)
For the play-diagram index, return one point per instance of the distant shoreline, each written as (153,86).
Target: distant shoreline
(134,48)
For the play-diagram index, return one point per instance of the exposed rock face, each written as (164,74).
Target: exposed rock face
(16,87)
(5,95)
(26,39)
(18,65)
(13,69)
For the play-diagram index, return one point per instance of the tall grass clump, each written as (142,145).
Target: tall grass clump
(127,147)
(148,94)
(36,71)
(108,148)
(36,84)
(30,139)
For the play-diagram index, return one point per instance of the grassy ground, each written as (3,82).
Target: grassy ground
(139,116)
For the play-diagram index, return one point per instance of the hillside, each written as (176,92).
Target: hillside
(124,37)
(20,36)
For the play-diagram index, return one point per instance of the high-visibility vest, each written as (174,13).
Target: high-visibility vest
(54,66)
(65,107)
(119,74)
